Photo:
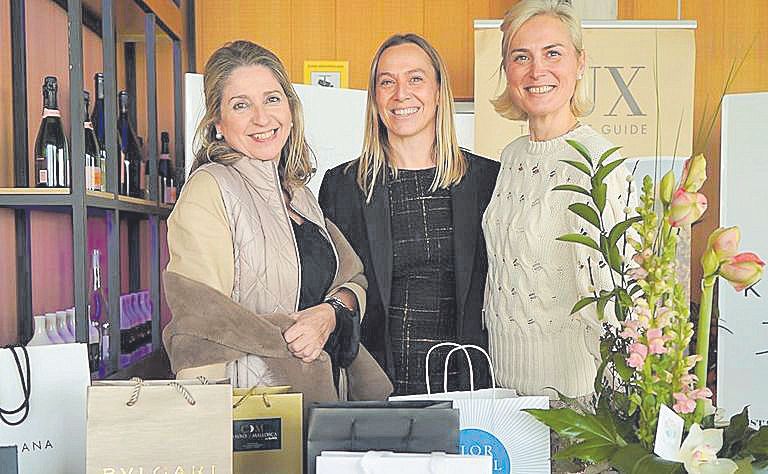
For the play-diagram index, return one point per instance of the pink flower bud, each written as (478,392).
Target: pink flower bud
(637,274)
(724,241)
(700,394)
(656,341)
(694,173)
(667,187)
(686,208)
(684,403)
(742,270)
(688,380)
(635,361)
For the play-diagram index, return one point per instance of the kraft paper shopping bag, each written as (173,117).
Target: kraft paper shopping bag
(159,426)
(49,384)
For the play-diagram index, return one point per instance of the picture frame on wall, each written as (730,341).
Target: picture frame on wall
(327,73)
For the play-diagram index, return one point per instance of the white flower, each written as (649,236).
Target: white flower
(699,452)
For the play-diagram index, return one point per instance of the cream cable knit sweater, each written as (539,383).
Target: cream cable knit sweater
(533,280)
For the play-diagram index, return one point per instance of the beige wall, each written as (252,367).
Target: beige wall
(726,29)
(348,30)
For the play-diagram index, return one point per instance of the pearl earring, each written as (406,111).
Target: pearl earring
(219,136)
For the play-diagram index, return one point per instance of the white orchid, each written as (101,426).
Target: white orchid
(699,452)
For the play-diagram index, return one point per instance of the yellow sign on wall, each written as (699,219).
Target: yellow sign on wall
(327,73)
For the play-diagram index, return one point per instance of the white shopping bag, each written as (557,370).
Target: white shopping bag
(51,439)
(386,462)
(492,422)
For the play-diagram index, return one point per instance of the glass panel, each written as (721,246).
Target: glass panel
(132,77)
(165,117)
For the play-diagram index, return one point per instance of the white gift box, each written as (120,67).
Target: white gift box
(386,462)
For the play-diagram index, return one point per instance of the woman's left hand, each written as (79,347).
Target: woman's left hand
(308,335)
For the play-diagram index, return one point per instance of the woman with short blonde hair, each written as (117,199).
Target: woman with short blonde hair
(538,347)
(411,205)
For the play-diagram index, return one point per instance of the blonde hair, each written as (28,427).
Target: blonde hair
(373,162)
(295,165)
(581,104)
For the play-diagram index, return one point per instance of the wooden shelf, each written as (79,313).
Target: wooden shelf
(34,191)
(138,201)
(100,194)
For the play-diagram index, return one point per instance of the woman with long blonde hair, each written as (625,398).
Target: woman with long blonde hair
(411,205)
(247,227)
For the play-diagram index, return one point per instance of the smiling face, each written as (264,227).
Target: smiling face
(255,113)
(406,91)
(541,67)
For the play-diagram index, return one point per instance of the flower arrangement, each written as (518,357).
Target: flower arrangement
(647,355)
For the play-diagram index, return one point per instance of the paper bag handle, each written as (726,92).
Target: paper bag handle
(26,388)
(406,440)
(445,373)
(139,383)
(471,379)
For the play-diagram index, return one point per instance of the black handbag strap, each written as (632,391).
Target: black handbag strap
(26,387)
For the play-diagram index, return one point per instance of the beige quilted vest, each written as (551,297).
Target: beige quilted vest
(267,273)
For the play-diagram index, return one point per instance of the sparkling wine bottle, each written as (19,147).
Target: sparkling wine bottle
(93,176)
(97,315)
(166,186)
(51,149)
(99,124)
(130,172)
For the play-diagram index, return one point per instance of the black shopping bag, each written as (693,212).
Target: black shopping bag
(405,427)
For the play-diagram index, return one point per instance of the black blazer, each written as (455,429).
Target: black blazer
(367,228)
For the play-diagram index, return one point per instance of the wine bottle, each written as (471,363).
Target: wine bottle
(130,173)
(97,120)
(97,315)
(166,186)
(51,149)
(93,176)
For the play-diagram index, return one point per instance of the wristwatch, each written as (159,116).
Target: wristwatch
(338,305)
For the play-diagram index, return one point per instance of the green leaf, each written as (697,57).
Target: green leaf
(619,229)
(757,446)
(579,239)
(605,170)
(579,166)
(634,459)
(607,153)
(581,149)
(594,450)
(599,435)
(585,212)
(736,432)
(744,465)
(614,257)
(586,301)
(624,371)
(602,301)
(571,187)
(598,196)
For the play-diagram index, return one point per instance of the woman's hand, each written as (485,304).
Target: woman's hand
(310,332)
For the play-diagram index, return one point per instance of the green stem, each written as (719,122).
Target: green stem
(702,339)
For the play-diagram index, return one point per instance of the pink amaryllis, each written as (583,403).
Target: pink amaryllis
(724,242)
(686,208)
(694,173)
(743,270)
